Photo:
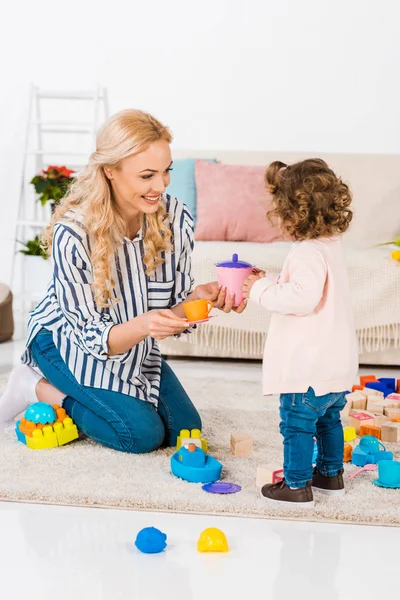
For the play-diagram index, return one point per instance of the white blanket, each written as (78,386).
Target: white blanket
(375,287)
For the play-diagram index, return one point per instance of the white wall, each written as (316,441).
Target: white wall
(311,75)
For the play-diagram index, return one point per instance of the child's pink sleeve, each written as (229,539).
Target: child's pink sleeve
(302,293)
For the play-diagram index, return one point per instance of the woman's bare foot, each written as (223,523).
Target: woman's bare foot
(46,392)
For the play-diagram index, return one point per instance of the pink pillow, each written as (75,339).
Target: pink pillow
(232,204)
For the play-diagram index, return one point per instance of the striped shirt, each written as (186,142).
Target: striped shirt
(80,327)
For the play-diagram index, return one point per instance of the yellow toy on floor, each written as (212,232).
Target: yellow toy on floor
(44,427)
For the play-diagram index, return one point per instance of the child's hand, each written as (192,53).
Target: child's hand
(250,281)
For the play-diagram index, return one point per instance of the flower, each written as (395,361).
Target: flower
(52,183)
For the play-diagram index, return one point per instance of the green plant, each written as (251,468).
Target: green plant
(52,184)
(33,248)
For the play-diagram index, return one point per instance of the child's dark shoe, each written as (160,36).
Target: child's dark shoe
(280,492)
(330,486)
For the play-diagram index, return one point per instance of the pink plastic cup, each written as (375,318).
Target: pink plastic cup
(232,274)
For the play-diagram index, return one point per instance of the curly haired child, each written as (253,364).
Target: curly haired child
(311,354)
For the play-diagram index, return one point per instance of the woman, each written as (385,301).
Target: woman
(121,252)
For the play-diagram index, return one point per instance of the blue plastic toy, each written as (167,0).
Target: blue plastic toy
(151,540)
(368,452)
(40,412)
(192,464)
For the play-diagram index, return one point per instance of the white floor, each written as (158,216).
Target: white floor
(49,552)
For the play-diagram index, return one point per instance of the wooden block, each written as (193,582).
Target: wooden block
(357,400)
(356,411)
(390,432)
(360,418)
(348,452)
(268,474)
(366,379)
(344,414)
(370,430)
(395,398)
(370,392)
(241,444)
(375,405)
(380,420)
(392,413)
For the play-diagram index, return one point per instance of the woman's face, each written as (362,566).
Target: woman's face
(139,180)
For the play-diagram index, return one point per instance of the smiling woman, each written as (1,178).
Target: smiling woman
(121,250)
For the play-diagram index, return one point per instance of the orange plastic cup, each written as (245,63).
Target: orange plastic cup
(197,310)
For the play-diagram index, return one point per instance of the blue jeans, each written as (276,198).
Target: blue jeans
(303,417)
(113,419)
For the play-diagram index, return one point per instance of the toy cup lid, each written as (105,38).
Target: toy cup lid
(235,263)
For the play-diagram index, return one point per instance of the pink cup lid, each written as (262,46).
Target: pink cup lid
(235,263)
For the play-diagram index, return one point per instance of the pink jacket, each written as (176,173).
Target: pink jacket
(312,339)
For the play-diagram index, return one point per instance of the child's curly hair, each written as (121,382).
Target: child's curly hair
(309,200)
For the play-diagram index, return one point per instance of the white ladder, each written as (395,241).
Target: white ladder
(52,141)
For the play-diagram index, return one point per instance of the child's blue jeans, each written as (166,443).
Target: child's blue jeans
(303,417)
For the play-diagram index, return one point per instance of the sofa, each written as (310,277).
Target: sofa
(374,276)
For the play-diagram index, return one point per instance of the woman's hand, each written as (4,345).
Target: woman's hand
(250,281)
(163,323)
(218,296)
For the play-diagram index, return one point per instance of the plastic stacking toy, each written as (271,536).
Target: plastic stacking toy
(194,465)
(369,452)
(40,412)
(212,540)
(151,540)
(44,426)
(187,437)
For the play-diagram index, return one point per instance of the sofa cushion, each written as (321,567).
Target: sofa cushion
(183,184)
(232,204)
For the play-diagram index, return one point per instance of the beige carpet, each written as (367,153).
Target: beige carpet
(86,474)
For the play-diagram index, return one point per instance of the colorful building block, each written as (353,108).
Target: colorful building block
(392,413)
(26,427)
(357,400)
(20,436)
(389,382)
(380,420)
(398,386)
(272,473)
(347,453)
(356,388)
(390,432)
(378,386)
(42,439)
(66,431)
(364,379)
(349,434)
(358,419)
(241,444)
(186,437)
(395,398)
(370,430)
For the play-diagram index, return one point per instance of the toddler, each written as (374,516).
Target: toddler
(311,354)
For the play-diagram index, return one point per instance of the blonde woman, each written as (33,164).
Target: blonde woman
(121,251)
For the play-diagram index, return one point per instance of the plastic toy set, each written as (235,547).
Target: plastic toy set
(151,540)
(44,427)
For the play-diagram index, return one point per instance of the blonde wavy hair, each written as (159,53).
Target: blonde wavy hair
(126,133)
